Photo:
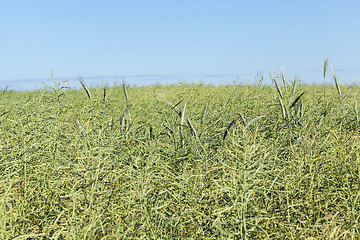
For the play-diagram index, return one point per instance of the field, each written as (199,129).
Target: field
(279,161)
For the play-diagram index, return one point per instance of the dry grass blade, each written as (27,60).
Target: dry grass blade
(84,87)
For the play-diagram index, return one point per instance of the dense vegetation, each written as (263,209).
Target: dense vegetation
(185,161)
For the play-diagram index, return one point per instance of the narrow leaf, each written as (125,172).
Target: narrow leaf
(228,128)
(84,87)
(297,99)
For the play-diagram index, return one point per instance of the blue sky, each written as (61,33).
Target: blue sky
(159,41)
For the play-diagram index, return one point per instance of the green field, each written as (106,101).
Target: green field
(279,161)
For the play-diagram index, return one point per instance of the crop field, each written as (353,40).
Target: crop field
(279,161)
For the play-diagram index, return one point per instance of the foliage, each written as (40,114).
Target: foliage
(180,162)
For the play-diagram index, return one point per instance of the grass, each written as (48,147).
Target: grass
(175,162)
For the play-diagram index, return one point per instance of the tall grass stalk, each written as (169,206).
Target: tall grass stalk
(283,109)
(282,106)
(325,71)
(283,78)
(126,119)
(182,117)
(276,85)
(294,85)
(84,87)
(338,90)
(325,67)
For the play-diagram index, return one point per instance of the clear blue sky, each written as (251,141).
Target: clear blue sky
(197,39)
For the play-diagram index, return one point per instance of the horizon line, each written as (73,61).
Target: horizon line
(214,75)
